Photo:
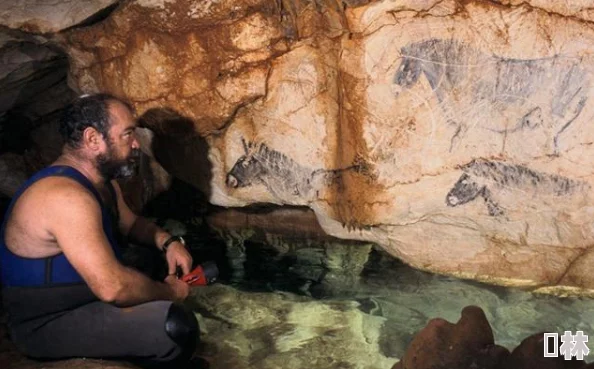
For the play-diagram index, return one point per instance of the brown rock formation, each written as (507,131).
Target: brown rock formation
(469,344)
(466,344)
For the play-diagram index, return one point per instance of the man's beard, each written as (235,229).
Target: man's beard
(111,168)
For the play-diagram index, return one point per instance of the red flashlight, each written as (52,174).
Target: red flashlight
(202,275)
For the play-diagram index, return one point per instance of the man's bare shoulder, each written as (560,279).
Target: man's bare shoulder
(48,206)
(57,186)
(55,195)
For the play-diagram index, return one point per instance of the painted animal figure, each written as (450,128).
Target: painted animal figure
(281,175)
(501,95)
(482,178)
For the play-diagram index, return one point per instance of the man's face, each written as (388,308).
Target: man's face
(121,155)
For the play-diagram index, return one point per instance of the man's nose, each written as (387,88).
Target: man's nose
(135,143)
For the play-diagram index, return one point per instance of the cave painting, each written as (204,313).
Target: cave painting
(483,178)
(501,95)
(281,175)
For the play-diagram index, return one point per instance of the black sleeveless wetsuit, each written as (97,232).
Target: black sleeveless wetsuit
(52,313)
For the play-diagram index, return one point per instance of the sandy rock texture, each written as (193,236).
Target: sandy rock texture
(455,134)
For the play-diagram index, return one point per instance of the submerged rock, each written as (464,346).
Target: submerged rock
(283,330)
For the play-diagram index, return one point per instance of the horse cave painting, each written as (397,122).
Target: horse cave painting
(484,177)
(281,175)
(476,90)
(545,93)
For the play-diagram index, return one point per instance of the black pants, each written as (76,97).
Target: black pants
(66,322)
(100,330)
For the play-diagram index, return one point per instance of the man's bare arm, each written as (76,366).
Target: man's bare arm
(79,233)
(137,228)
(143,231)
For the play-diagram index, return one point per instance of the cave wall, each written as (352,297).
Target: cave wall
(455,134)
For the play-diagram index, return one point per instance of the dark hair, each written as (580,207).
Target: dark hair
(87,111)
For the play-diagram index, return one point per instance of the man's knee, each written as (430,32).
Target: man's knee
(181,326)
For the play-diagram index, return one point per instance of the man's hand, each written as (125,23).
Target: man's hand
(180,289)
(177,255)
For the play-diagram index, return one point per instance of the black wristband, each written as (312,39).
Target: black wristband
(172,239)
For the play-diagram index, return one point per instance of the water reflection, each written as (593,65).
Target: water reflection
(408,298)
(403,297)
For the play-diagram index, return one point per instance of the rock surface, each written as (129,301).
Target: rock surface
(466,344)
(453,133)
(32,86)
(40,16)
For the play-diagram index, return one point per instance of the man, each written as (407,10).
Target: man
(65,290)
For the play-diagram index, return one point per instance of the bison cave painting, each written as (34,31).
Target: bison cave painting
(282,176)
(501,95)
(484,178)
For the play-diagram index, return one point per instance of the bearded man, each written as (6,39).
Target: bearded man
(65,289)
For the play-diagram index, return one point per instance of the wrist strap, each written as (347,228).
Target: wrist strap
(170,240)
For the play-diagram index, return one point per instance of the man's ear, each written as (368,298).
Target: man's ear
(92,138)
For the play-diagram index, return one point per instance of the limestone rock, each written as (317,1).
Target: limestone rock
(13,172)
(453,133)
(32,88)
(29,69)
(38,16)
(573,8)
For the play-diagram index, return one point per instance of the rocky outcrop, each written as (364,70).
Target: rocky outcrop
(32,87)
(38,16)
(13,172)
(469,344)
(465,344)
(574,8)
(453,133)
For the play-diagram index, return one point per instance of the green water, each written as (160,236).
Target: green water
(398,299)
(408,298)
